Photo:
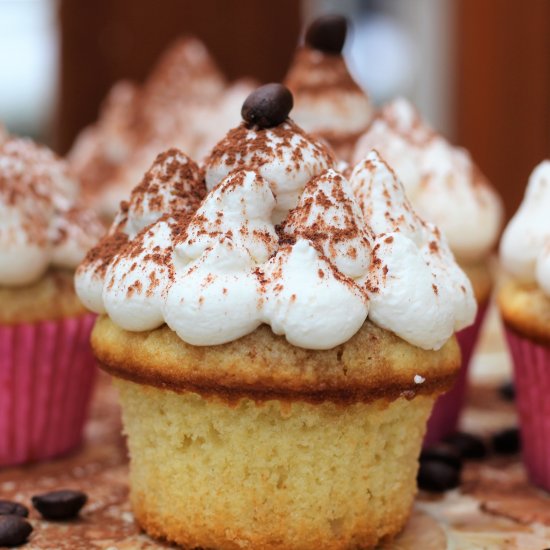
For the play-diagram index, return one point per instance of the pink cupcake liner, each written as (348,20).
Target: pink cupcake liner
(532,381)
(447,409)
(47,372)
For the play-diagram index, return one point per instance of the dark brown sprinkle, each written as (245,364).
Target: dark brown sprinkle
(7,508)
(443,452)
(267,106)
(14,530)
(506,442)
(507,391)
(468,446)
(63,504)
(436,476)
(327,33)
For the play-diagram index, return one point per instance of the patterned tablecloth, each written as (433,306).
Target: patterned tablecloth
(495,507)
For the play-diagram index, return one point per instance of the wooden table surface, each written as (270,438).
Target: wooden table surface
(495,507)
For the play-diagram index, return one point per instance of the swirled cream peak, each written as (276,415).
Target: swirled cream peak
(321,267)
(171,189)
(415,287)
(525,244)
(214,296)
(327,101)
(329,216)
(174,183)
(284,155)
(239,210)
(441,181)
(41,222)
(309,300)
(184,71)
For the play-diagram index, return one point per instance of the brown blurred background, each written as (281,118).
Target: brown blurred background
(479,71)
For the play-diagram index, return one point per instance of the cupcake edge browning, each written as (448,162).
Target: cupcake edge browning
(525,309)
(262,366)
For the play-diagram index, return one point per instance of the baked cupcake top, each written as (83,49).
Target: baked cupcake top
(442,181)
(327,101)
(525,244)
(42,223)
(267,231)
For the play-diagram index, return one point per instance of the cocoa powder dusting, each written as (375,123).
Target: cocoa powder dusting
(315,74)
(100,256)
(434,247)
(251,148)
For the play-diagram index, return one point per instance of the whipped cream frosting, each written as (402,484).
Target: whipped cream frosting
(525,244)
(442,181)
(280,238)
(42,223)
(284,155)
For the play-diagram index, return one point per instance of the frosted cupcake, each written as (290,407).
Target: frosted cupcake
(446,187)
(185,103)
(328,102)
(277,342)
(524,303)
(46,365)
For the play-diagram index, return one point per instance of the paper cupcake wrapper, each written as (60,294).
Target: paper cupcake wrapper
(532,381)
(47,372)
(447,408)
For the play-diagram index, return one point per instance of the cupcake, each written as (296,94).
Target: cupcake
(524,303)
(328,103)
(185,102)
(278,340)
(46,365)
(102,147)
(446,187)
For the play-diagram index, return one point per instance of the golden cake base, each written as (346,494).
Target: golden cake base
(259,444)
(526,309)
(271,475)
(52,297)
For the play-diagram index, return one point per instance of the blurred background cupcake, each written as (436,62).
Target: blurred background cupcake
(524,304)
(185,102)
(328,102)
(46,366)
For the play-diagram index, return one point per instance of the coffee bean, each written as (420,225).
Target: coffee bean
(468,446)
(507,391)
(268,105)
(7,507)
(443,452)
(436,476)
(327,33)
(14,530)
(60,504)
(507,442)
